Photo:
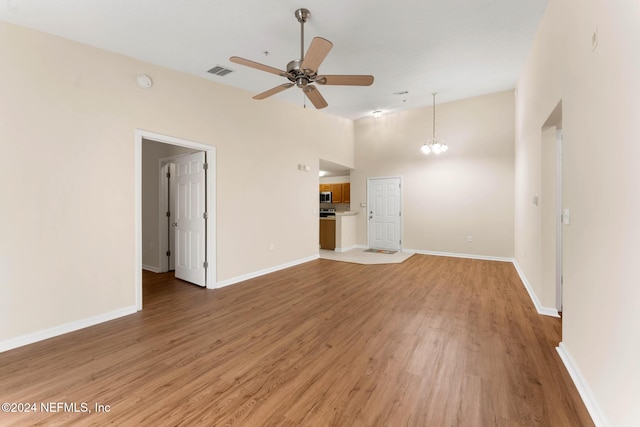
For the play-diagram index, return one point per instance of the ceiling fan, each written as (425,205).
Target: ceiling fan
(303,72)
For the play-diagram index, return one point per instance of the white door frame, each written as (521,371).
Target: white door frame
(210,200)
(164,245)
(369,207)
(559,222)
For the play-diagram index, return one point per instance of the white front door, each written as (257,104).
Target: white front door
(385,227)
(190,219)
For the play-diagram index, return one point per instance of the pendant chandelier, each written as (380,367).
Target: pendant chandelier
(434,145)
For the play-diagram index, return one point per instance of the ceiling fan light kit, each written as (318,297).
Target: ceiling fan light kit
(303,72)
(434,145)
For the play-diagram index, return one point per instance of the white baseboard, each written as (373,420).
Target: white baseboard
(346,249)
(583,387)
(547,311)
(63,329)
(151,268)
(456,255)
(255,274)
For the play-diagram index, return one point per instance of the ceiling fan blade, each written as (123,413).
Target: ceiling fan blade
(348,80)
(316,53)
(273,91)
(315,97)
(256,65)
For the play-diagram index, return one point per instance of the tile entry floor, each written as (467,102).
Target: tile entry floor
(359,256)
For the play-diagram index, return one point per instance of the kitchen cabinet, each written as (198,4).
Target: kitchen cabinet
(340,192)
(336,193)
(328,234)
(346,192)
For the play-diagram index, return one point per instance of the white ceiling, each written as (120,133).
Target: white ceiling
(458,48)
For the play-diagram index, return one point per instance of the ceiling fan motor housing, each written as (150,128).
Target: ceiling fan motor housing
(296,75)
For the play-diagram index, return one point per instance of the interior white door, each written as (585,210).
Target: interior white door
(190,221)
(385,226)
(171,195)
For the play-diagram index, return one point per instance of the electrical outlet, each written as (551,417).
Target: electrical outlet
(469,238)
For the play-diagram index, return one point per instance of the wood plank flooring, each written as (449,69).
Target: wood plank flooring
(433,341)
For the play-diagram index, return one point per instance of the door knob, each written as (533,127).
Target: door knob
(174,224)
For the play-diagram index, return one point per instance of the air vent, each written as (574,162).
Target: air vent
(219,71)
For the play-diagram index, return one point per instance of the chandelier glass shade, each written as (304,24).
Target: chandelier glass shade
(434,145)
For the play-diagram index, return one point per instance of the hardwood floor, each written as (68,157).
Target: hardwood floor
(433,341)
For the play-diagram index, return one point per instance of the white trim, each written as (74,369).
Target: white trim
(456,255)
(597,415)
(211,202)
(547,311)
(345,249)
(255,274)
(137,219)
(151,268)
(64,329)
(162,216)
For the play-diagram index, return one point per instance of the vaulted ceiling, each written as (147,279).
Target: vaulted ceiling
(458,48)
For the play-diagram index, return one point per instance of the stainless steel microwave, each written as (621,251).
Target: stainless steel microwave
(325,197)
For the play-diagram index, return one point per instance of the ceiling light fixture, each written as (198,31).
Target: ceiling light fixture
(434,145)
(377,113)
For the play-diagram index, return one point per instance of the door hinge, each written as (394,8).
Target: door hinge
(168,253)
(400,242)
(205,215)
(205,166)
(168,213)
(205,264)
(168,174)
(400,213)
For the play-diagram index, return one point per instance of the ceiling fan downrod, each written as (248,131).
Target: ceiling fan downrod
(303,16)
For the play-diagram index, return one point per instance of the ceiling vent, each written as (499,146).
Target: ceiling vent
(219,71)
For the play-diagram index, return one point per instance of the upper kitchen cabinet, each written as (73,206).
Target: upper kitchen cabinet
(346,192)
(336,193)
(340,192)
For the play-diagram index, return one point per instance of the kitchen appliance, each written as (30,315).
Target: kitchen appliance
(327,212)
(325,197)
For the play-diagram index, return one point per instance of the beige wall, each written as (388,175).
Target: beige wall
(600,93)
(67,128)
(466,191)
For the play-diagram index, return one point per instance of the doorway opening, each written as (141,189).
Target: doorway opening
(552,208)
(195,174)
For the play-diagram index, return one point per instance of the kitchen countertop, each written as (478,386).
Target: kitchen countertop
(347,213)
